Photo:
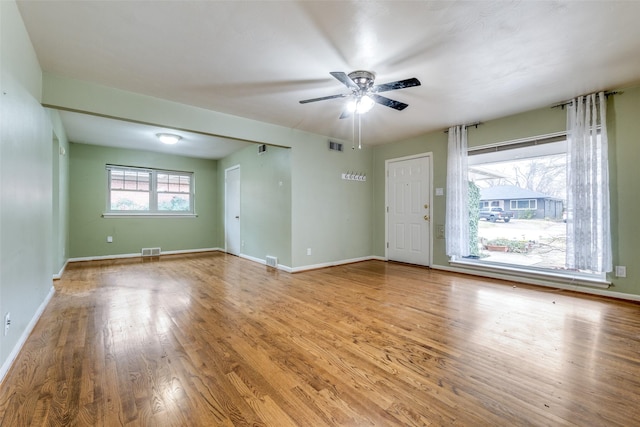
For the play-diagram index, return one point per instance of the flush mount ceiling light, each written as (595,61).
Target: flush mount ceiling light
(168,138)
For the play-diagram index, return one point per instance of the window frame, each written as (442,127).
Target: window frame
(153,192)
(517,201)
(492,268)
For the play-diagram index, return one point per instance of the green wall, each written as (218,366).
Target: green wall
(265,202)
(624,157)
(330,216)
(88,196)
(25,185)
(624,153)
(60,194)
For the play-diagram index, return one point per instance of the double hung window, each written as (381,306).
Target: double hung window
(133,191)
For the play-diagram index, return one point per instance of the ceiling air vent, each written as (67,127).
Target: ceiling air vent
(335,146)
(262,149)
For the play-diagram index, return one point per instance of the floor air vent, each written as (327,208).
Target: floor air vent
(150,251)
(272,261)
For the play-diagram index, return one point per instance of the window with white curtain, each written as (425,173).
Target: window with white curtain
(536,239)
(558,185)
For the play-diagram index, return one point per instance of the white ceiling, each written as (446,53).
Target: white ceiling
(477,60)
(89,129)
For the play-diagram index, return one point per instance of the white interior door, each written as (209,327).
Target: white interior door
(409,210)
(232,210)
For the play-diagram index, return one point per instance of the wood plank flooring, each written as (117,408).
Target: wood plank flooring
(215,340)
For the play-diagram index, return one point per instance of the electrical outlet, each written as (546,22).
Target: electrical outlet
(308,251)
(7,323)
(621,271)
(109,239)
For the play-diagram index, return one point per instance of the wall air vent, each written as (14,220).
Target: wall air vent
(262,148)
(272,261)
(335,146)
(150,251)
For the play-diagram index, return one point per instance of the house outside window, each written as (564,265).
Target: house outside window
(528,181)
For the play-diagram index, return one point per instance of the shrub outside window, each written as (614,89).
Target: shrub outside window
(134,191)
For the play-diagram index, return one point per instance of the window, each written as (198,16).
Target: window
(524,204)
(518,176)
(529,178)
(134,191)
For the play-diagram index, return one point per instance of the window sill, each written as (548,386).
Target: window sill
(574,278)
(147,215)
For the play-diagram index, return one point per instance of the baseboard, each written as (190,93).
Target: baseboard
(335,263)
(120,256)
(537,282)
(288,269)
(59,275)
(264,262)
(25,334)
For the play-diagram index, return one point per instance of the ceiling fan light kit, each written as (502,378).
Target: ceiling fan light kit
(360,105)
(364,93)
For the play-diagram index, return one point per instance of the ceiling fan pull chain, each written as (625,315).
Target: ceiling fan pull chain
(353,132)
(359,131)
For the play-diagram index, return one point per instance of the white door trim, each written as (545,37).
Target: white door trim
(429,156)
(226,207)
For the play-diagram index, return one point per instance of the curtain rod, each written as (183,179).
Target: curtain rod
(475,125)
(565,103)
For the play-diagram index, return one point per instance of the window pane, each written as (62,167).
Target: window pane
(117,180)
(173,202)
(129,201)
(174,183)
(515,180)
(129,180)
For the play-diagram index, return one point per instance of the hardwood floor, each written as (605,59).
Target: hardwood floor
(212,339)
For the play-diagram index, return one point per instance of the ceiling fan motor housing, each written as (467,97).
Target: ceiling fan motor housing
(364,79)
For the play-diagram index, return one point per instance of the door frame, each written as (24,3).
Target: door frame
(226,207)
(429,156)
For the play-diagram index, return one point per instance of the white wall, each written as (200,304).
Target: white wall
(25,185)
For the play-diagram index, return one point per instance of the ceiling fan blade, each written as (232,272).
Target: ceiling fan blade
(346,114)
(389,102)
(306,101)
(400,84)
(345,79)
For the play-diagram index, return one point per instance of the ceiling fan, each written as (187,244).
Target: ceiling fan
(364,93)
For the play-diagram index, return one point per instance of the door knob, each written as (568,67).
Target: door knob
(426,217)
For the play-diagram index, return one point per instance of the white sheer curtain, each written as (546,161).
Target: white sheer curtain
(457,219)
(588,219)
